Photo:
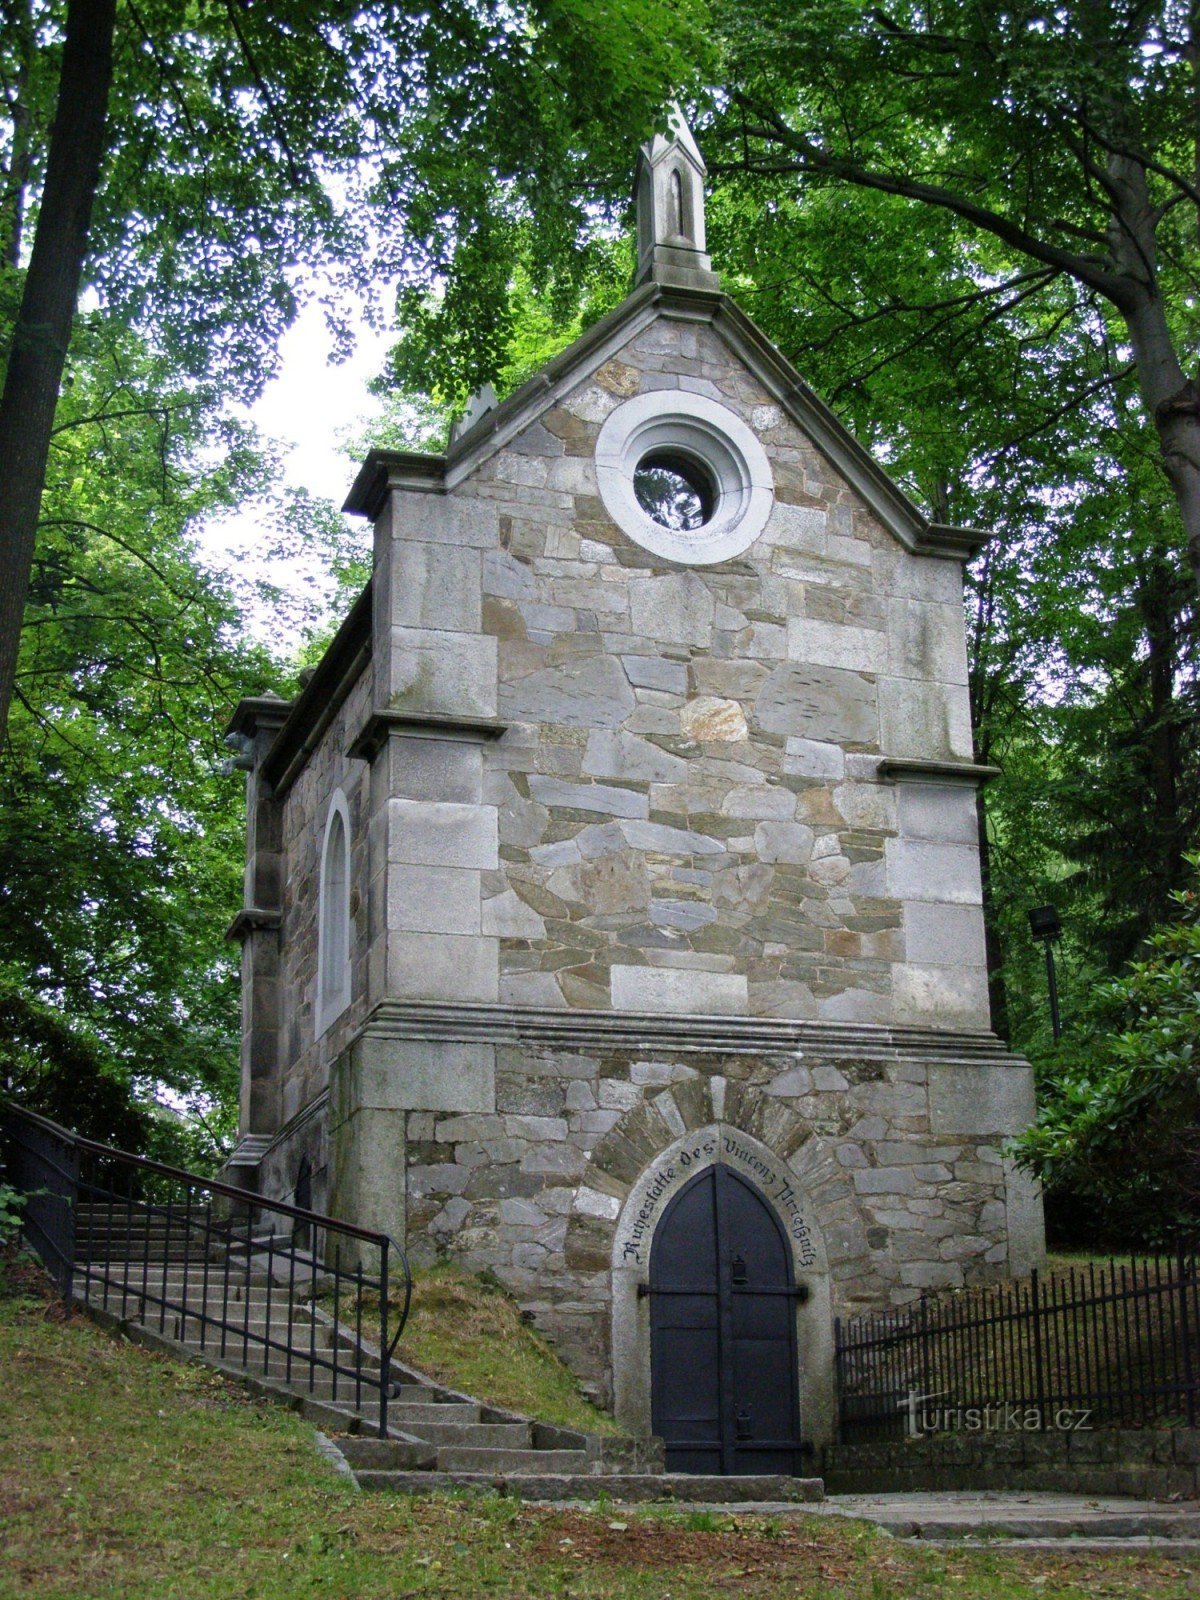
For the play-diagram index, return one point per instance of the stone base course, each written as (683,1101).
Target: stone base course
(1159,1464)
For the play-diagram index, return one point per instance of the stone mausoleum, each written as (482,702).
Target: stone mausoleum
(612,909)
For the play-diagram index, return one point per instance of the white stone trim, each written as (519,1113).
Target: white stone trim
(694,424)
(333,919)
(641,1214)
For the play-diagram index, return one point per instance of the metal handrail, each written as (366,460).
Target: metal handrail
(187,1222)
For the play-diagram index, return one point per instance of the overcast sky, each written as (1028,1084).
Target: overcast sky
(309,410)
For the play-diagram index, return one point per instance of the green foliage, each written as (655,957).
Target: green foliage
(120,841)
(418,146)
(247,146)
(1119,1128)
(540,321)
(12,1204)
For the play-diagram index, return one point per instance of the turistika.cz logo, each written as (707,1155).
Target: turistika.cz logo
(922,1418)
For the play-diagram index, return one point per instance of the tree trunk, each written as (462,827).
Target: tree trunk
(1158,601)
(1172,400)
(21,25)
(47,310)
(1173,404)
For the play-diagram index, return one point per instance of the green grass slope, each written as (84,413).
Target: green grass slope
(126,1476)
(469,1334)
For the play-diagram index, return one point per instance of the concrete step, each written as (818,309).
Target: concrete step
(275,1355)
(411,1414)
(509,1462)
(303,1332)
(135,1252)
(318,1385)
(195,1299)
(386,1455)
(175,1280)
(476,1435)
(627,1488)
(418,1394)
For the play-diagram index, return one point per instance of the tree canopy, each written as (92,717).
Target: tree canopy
(975,228)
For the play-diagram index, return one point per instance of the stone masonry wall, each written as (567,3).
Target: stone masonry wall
(689,810)
(1147,1464)
(304,1069)
(685,814)
(531,1191)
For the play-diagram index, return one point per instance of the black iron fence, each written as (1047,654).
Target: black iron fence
(297,1296)
(1113,1346)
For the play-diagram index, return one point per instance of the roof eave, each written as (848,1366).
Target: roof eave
(387,469)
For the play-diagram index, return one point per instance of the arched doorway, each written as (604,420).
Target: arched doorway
(723,1331)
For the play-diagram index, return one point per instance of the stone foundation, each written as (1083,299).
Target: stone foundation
(880,1148)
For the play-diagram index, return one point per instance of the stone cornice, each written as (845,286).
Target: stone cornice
(264,1143)
(670,1034)
(901,769)
(252,919)
(257,712)
(383,724)
(321,698)
(385,469)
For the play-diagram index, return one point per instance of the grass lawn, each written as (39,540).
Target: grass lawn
(123,1474)
(469,1335)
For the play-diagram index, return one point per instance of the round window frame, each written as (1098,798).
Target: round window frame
(697,426)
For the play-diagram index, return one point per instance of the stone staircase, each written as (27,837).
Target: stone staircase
(223,1308)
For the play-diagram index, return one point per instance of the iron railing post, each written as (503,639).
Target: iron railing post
(1185,1334)
(1039,1368)
(385,1358)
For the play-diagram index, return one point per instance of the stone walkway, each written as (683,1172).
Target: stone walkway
(982,1516)
(1018,1520)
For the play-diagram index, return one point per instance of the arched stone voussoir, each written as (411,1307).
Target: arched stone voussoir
(648,1133)
(770,1120)
(693,1100)
(833,1199)
(637,1138)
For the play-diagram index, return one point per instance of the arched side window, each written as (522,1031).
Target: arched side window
(333,916)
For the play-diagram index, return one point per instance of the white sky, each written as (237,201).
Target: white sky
(309,411)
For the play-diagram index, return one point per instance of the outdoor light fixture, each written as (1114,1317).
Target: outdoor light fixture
(1046,925)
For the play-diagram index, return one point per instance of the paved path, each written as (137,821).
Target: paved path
(1020,1520)
(1026,1516)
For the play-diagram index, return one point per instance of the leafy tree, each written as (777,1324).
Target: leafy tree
(1117,1141)
(120,842)
(1065,135)
(199,154)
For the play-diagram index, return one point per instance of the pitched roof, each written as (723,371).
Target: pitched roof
(384,470)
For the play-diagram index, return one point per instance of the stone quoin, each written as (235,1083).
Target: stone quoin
(625,832)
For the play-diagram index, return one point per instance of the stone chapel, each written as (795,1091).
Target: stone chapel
(612,911)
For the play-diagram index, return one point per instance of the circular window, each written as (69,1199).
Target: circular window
(674,490)
(683,476)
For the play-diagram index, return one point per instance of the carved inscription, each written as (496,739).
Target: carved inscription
(776,1188)
(674,1173)
(666,1179)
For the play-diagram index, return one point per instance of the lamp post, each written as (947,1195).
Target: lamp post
(1045,924)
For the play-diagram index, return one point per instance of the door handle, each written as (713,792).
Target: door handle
(745,1427)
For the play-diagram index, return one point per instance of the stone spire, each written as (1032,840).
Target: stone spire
(669,187)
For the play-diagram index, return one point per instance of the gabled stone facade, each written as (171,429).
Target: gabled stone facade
(649,856)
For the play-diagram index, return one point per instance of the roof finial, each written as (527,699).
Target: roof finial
(478,405)
(670,210)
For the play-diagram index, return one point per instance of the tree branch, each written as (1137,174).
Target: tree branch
(773,129)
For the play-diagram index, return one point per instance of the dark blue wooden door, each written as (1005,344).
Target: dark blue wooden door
(723,1336)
